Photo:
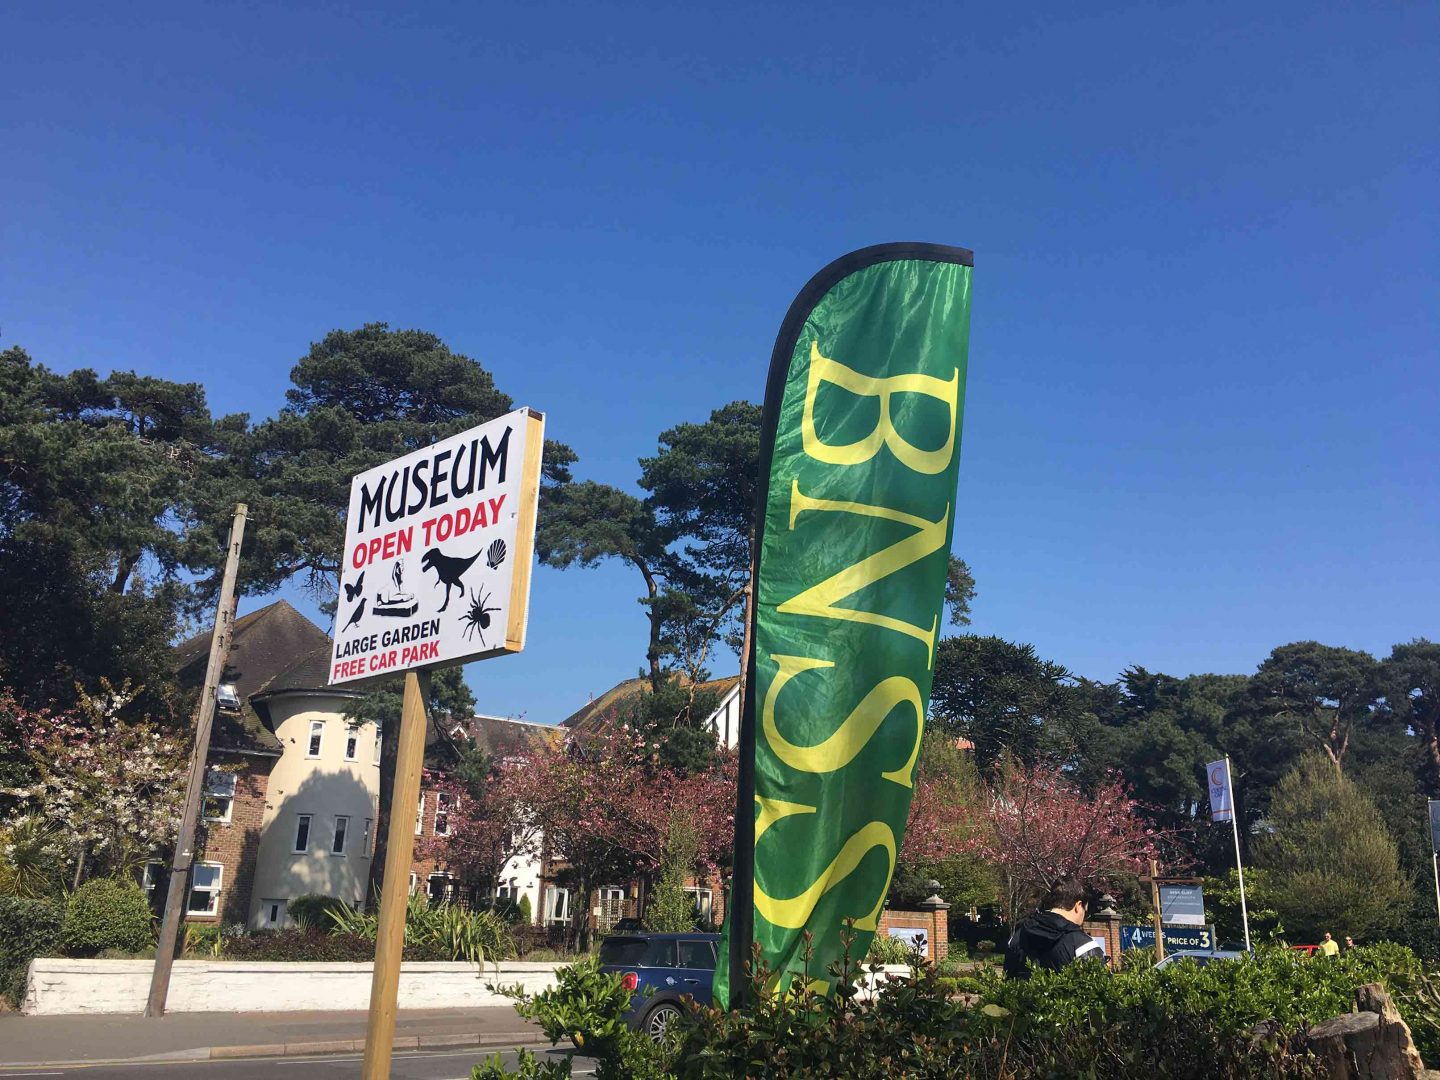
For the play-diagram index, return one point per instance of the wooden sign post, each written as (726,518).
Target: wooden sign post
(436,573)
(390,936)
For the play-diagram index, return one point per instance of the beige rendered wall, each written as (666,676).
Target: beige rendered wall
(325,787)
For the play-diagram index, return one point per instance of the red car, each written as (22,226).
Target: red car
(1307,950)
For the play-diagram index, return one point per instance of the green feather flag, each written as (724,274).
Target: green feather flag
(860,453)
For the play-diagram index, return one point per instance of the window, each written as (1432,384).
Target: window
(704,904)
(379,731)
(151,874)
(444,804)
(342,826)
(696,954)
(365,849)
(317,736)
(414,883)
(272,913)
(442,888)
(219,795)
(352,744)
(204,889)
(420,815)
(638,952)
(557,906)
(302,833)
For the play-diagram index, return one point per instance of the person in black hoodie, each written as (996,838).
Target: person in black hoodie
(1052,937)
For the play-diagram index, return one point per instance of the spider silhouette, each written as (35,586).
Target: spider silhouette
(477,618)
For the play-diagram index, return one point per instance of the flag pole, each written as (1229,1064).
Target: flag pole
(1239,866)
(1434,856)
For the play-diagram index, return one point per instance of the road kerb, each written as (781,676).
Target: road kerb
(487,1041)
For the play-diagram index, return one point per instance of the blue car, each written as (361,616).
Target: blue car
(661,969)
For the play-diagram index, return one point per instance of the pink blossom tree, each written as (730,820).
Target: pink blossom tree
(1038,827)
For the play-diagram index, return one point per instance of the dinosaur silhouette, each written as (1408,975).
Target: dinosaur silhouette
(448,569)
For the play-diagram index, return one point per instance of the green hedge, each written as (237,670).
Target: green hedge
(107,914)
(28,928)
(1239,1020)
(307,944)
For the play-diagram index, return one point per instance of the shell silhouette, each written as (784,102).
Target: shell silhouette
(495,555)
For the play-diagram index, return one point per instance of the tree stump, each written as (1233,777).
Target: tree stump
(1372,1043)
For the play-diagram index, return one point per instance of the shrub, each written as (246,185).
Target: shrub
(315,910)
(1240,1020)
(449,931)
(202,939)
(299,944)
(885,949)
(28,928)
(586,1008)
(107,914)
(502,906)
(671,909)
(526,916)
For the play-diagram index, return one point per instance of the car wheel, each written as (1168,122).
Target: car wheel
(657,1020)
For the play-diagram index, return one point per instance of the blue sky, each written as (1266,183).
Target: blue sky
(1203,398)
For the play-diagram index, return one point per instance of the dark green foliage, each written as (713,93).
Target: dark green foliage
(313,910)
(308,945)
(1409,679)
(28,928)
(1222,907)
(585,1009)
(674,715)
(107,914)
(1001,696)
(1332,866)
(93,476)
(1328,693)
(959,591)
(1242,1019)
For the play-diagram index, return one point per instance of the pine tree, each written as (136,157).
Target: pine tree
(1332,864)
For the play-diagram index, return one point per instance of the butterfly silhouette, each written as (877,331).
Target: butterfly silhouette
(352,591)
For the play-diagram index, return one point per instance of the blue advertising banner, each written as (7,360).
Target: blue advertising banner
(1177,938)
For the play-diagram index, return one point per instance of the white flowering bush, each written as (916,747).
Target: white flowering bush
(108,790)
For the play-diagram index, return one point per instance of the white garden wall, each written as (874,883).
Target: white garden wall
(64,987)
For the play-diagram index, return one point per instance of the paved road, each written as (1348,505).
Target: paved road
(410,1065)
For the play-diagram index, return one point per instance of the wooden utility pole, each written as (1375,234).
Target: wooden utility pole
(1155,901)
(195,785)
(400,846)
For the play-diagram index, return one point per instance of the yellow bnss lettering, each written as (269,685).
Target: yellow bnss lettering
(820,600)
(793,913)
(850,737)
(824,370)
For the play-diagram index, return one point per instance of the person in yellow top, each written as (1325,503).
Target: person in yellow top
(1329,947)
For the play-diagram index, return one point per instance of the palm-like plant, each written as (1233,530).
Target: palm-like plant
(473,936)
(29,859)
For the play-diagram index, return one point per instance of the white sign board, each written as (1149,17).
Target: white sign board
(438,546)
(1222,796)
(1182,905)
(916,939)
